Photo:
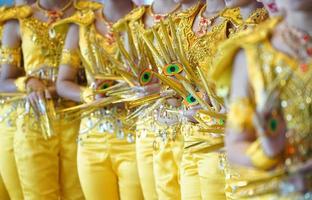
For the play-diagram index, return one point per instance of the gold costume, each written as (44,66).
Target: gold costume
(240,27)
(201,175)
(157,165)
(3,191)
(269,70)
(106,149)
(8,114)
(39,158)
(160,123)
(144,135)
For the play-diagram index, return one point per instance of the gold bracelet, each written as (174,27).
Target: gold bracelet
(11,56)
(71,58)
(258,157)
(86,95)
(20,83)
(241,114)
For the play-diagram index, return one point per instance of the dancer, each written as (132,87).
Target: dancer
(106,149)
(265,74)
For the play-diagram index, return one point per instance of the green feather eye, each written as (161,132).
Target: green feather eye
(105,84)
(146,77)
(172,69)
(190,100)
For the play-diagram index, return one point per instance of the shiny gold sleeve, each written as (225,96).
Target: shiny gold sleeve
(16,12)
(11,56)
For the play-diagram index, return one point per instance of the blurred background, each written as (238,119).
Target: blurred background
(6,2)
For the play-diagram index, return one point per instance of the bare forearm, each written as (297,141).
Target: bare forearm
(69,90)
(237,154)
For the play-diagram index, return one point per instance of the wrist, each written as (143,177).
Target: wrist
(87,95)
(21,83)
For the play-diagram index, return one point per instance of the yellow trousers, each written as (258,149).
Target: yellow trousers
(8,168)
(3,192)
(201,175)
(47,168)
(107,165)
(144,154)
(167,154)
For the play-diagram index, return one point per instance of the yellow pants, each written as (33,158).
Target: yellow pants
(144,154)
(107,166)
(3,192)
(8,168)
(201,175)
(47,168)
(167,154)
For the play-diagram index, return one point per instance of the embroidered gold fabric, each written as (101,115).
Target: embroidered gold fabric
(16,12)
(10,56)
(39,49)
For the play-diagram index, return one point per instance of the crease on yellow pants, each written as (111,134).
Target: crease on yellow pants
(3,192)
(107,167)
(166,159)
(47,168)
(144,154)
(201,175)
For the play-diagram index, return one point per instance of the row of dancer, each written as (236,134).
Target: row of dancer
(178,100)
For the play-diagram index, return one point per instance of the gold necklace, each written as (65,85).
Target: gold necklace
(158,17)
(53,15)
(109,26)
(205,22)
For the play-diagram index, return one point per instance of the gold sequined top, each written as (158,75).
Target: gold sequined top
(271,70)
(201,49)
(256,17)
(95,48)
(41,50)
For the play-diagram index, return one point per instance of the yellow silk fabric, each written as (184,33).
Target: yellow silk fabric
(8,168)
(144,155)
(16,12)
(107,166)
(3,192)
(194,183)
(201,175)
(167,159)
(39,160)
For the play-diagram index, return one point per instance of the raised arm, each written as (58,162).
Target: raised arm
(238,139)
